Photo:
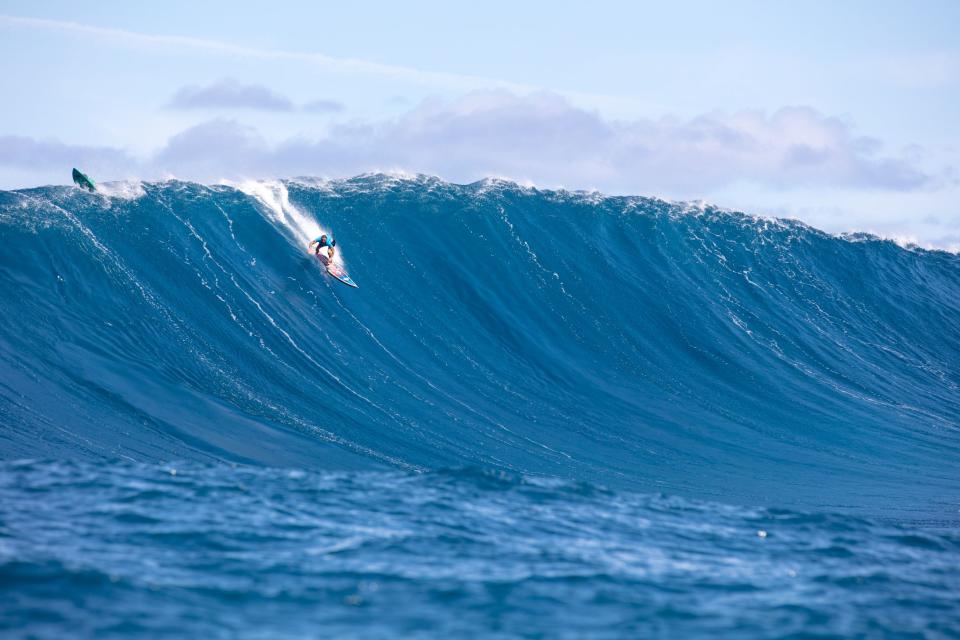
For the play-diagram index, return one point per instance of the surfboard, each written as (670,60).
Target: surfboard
(83,181)
(337,272)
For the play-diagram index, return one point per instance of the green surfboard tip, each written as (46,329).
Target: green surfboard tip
(83,181)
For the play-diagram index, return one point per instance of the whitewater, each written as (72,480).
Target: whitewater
(544,413)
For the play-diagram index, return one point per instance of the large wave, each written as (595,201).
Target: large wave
(618,340)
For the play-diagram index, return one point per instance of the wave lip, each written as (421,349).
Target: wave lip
(624,341)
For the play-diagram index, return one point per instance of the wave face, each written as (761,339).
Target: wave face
(622,341)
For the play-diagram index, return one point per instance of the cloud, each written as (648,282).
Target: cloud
(29,155)
(324,106)
(539,137)
(188,154)
(543,138)
(230,94)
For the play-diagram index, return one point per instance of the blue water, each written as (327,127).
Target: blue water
(541,414)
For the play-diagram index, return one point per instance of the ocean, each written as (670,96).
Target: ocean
(541,414)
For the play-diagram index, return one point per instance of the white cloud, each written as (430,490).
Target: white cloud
(539,137)
(214,150)
(543,138)
(29,156)
(230,94)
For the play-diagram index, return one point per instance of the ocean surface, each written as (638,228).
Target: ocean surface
(542,414)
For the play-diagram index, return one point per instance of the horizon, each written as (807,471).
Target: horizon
(840,117)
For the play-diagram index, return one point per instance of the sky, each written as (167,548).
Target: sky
(844,115)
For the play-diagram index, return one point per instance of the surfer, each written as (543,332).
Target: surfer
(323,242)
(327,259)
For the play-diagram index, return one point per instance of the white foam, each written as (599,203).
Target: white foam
(908,243)
(275,198)
(122,190)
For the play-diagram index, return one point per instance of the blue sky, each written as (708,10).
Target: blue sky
(844,116)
